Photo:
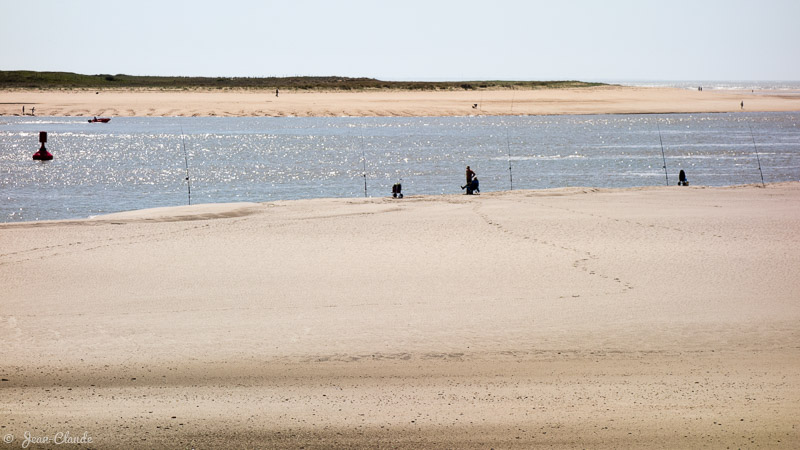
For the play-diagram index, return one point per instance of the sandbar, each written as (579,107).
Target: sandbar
(659,317)
(259,103)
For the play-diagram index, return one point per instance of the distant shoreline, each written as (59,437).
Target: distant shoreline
(606,99)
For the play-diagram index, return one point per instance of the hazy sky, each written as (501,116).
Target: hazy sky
(409,39)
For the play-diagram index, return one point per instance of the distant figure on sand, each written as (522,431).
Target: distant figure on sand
(276,92)
(397,190)
(472,182)
(742,104)
(470,175)
(682,181)
(474,186)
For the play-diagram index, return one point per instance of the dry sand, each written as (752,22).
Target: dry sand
(599,100)
(570,318)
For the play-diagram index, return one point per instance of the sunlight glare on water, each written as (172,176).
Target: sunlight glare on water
(134,163)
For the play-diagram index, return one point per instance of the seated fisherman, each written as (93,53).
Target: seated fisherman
(682,181)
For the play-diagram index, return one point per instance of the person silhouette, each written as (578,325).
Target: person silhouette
(470,175)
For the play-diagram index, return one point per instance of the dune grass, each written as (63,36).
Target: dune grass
(66,80)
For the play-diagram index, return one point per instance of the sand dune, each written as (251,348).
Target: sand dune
(599,100)
(653,317)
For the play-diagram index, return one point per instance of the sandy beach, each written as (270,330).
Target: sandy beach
(597,100)
(662,317)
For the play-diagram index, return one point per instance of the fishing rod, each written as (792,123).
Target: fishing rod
(510,176)
(186,161)
(664,158)
(508,142)
(364,160)
(757,158)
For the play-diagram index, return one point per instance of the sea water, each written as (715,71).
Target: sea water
(135,163)
(744,87)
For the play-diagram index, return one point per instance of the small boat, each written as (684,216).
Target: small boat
(100,119)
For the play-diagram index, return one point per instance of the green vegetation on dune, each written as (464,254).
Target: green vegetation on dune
(65,80)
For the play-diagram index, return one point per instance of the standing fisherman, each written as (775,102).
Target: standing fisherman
(470,175)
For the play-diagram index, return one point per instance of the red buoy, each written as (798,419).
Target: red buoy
(42,154)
